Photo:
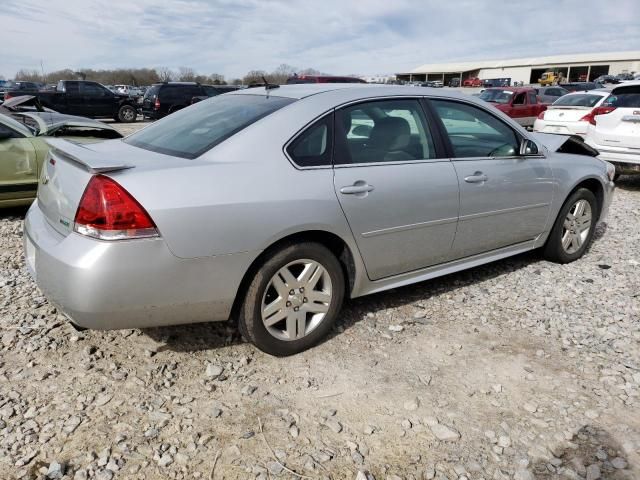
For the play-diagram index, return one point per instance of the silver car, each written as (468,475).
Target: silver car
(271,205)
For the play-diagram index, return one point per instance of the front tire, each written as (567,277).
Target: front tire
(127,114)
(293,300)
(573,230)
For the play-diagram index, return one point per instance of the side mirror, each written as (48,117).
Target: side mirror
(528,148)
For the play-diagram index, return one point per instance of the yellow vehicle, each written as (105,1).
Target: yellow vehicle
(549,78)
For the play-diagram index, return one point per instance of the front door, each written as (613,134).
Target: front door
(504,197)
(399,194)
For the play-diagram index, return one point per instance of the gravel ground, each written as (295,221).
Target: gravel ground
(521,369)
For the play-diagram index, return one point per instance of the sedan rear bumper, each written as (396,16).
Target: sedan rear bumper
(131,283)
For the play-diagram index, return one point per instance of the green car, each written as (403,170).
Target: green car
(23,147)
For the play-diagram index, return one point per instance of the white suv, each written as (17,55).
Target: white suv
(616,130)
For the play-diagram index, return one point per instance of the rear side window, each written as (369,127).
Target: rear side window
(314,146)
(628,97)
(383,131)
(578,100)
(191,132)
(152,92)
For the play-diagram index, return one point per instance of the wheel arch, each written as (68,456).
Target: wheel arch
(333,242)
(594,185)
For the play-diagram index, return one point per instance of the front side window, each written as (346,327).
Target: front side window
(190,132)
(383,131)
(91,90)
(313,147)
(474,132)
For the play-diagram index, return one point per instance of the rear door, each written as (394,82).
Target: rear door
(18,164)
(98,100)
(504,197)
(620,127)
(397,189)
(75,104)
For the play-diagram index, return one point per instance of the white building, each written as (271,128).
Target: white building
(380,78)
(575,67)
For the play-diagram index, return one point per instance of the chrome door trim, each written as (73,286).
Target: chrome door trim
(500,212)
(413,226)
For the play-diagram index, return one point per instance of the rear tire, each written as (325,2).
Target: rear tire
(293,300)
(127,114)
(573,229)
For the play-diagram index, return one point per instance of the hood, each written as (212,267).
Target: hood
(16,101)
(565,144)
(59,124)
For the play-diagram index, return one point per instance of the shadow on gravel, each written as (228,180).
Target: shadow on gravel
(13,213)
(630,183)
(195,337)
(594,451)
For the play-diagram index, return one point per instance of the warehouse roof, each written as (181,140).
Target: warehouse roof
(526,62)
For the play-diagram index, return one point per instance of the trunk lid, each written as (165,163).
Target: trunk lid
(565,114)
(620,128)
(69,166)
(66,171)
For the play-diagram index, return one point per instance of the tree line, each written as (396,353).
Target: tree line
(147,76)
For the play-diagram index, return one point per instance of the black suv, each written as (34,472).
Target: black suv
(165,98)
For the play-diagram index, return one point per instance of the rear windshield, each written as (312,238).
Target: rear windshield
(628,97)
(152,92)
(580,100)
(496,96)
(192,131)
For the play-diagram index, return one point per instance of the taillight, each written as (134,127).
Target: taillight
(7,96)
(108,212)
(591,116)
(541,115)
(156,105)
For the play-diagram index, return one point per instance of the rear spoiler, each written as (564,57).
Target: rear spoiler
(82,155)
(566,144)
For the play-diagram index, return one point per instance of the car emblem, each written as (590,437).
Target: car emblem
(45,179)
(561,115)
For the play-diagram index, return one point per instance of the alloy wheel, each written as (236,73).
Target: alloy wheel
(576,226)
(296,300)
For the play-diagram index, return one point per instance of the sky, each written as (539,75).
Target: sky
(365,37)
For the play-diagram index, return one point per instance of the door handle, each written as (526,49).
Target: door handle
(358,187)
(477,177)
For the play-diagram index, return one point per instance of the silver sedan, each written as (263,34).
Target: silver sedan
(271,205)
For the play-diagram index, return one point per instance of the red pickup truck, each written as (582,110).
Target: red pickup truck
(520,103)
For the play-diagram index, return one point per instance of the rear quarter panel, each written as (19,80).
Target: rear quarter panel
(243,195)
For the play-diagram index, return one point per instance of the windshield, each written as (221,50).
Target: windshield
(496,96)
(580,100)
(628,97)
(192,131)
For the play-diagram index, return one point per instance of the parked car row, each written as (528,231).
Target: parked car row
(357,190)
(608,120)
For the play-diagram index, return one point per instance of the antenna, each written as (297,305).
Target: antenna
(269,86)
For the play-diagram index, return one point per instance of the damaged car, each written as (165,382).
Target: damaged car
(24,131)
(272,205)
